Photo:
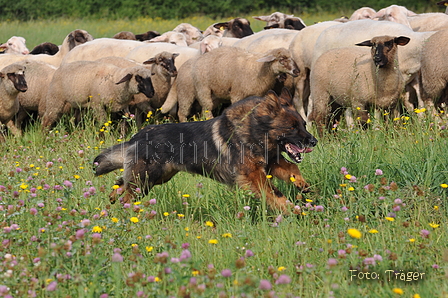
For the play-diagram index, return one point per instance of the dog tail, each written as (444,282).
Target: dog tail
(171,99)
(110,159)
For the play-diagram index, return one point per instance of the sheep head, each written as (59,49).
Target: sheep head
(16,74)
(281,62)
(384,48)
(166,61)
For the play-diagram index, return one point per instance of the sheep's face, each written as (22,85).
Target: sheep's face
(384,48)
(16,74)
(144,85)
(165,61)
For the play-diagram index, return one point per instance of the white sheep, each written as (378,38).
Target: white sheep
(418,22)
(72,40)
(357,78)
(148,50)
(246,41)
(227,73)
(15,45)
(434,70)
(95,85)
(351,33)
(99,48)
(192,33)
(302,51)
(171,37)
(38,78)
(211,42)
(12,81)
(363,13)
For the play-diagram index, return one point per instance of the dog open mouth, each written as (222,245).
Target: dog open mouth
(294,152)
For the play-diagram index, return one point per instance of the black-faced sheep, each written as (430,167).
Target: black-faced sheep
(227,73)
(12,81)
(238,28)
(281,20)
(95,85)
(38,78)
(147,35)
(47,48)
(357,78)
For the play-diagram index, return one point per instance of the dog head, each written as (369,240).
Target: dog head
(286,128)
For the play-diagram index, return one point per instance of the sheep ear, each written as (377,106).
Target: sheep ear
(402,40)
(262,18)
(2,75)
(366,43)
(150,61)
(268,58)
(175,55)
(125,78)
(221,26)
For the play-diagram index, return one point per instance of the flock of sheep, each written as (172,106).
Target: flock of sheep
(374,59)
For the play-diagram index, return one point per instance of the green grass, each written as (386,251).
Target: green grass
(61,237)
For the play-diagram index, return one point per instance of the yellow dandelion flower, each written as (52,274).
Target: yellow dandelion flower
(181,215)
(97,229)
(213,241)
(209,223)
(137,203)
(416,296)
(343,185)
(121,170)
(157,279)
(187,229)
(149,248)
(186,195)
(114,219)
(309,201)
(76,176)
(434,225)
(412,240)
(23,186)
(292,179)
(348,176)
(268,176)
(373,231)
(444,185)
(227,235)
(354,233)
(106,124)
(351,188)
(31,165)
(134,219)
(281,268)
(389,218)
(329,241)
(134,245)
(436,207)
(199,237)
(165,214)
(115,186)
(398,291)
(195,272)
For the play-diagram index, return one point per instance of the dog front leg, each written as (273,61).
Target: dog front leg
(290,173)
(257,183)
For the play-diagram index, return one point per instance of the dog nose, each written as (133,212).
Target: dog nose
(313,141)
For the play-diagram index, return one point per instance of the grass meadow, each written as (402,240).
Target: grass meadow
(374,225)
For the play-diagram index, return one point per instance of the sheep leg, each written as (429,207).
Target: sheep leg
(298,96)
(53,111)
(185,103)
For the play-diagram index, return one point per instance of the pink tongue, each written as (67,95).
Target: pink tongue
(300,150)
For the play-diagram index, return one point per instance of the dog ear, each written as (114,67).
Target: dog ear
(273,103)
(125,78)
(285,97)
